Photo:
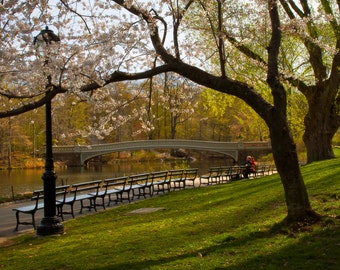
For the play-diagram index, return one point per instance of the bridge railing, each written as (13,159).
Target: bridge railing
(161,143)
(257,145)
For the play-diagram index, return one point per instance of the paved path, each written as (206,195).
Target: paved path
(8,220)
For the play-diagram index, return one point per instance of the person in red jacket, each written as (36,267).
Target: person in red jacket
(250,166)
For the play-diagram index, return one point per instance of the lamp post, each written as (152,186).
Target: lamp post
(50,223)
(33,139)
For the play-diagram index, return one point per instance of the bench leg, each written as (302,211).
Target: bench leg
(17,216)
(24,223)
(33,221)
(103,202)
(110,200)
(92,204)
(81,207)
(60,212)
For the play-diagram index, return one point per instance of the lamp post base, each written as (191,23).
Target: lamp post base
(50,226)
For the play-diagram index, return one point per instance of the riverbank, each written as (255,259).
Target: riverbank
(19,161)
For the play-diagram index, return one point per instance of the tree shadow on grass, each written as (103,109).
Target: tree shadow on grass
(315,250)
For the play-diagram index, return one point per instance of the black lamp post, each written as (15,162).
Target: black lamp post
(50,223)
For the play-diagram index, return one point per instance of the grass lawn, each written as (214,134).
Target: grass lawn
(227,226)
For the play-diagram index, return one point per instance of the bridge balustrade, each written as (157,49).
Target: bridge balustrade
(86,152)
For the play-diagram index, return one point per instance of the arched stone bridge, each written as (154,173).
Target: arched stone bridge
(78,155)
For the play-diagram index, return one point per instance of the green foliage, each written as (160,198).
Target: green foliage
(230,118)
(231,226)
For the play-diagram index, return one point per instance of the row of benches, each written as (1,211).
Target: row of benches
(225,174)
(92,194)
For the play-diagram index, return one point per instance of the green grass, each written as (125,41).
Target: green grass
(229,226)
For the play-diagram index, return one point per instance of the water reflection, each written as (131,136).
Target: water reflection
(22,181)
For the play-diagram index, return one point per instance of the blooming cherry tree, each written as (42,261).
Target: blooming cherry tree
(104,42)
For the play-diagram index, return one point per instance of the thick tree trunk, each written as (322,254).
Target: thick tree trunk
(318,141)
(321,123)
(283,145)
(286,160)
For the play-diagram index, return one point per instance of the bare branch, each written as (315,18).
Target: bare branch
(75,12)
(118,76)
(11,95)
(52,91)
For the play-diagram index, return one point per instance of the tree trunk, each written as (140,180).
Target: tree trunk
(286,160)
(321,123)
(318,141)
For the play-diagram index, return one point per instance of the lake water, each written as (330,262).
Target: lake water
(13,182)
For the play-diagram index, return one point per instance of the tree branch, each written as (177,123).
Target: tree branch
(10,95)
(52,91)
(154,33)
(118,76)
(314,50)
(273,77)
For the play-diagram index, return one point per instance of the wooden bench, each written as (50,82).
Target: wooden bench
(236,172)
(176,178)
(38,196)
(141,185)
(268,169)
(225,174)
(160,181)
(115,187)
(190,176)
(61,193)
(213,176)
(82,192)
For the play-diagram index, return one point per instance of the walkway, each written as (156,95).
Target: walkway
(8,220)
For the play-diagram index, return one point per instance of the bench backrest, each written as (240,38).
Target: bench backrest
(115,183)
(60,192)
(190,174)
(227,170)
(214,172)
(159,176)
(139,178)
(37,196)
(175,174)
(88,187)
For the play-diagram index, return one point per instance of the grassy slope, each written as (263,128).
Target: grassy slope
(229,226)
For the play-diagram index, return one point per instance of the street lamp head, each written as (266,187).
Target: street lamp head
(46,36)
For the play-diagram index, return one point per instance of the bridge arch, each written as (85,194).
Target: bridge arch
(78,155)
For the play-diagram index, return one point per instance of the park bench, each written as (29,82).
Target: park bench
(141,185)
(82,192)
(160,181)
(38,196)
(233,173)
(213,176)
(176,179)
(260,170)
(115,187)
(190,176)
(236,172)
(264,169)
(268,170)
(225,174)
